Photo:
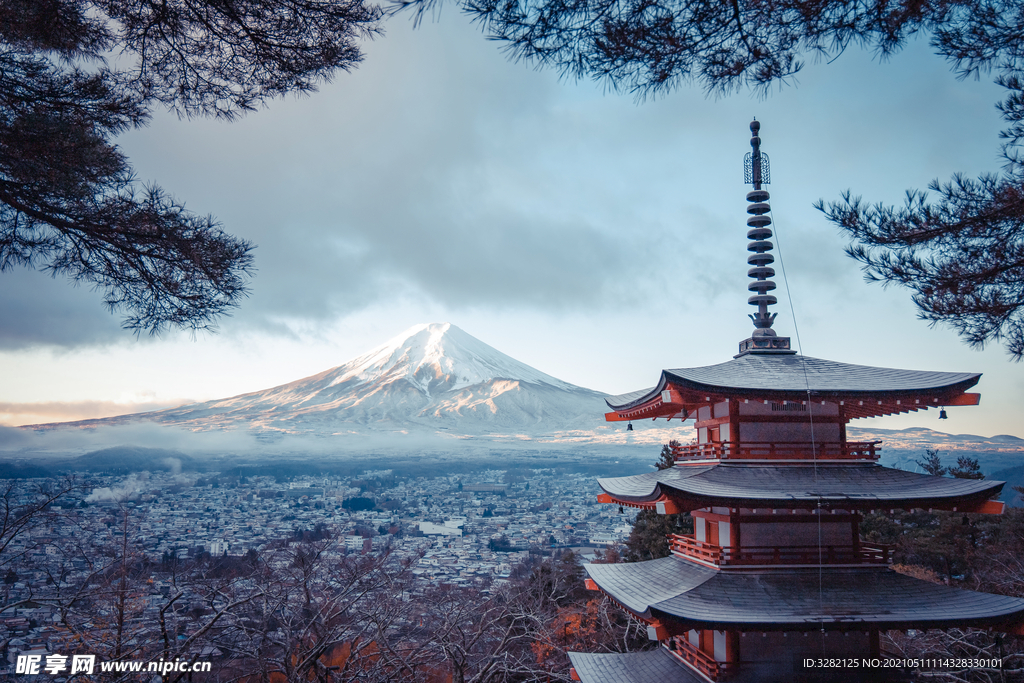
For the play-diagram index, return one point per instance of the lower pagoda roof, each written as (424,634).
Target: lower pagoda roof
(672,589)
(632,667)
(846,486)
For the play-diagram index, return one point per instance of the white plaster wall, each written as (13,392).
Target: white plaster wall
(719,646)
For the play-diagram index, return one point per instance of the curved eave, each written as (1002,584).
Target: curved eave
(636,586)
(864,391)
(631,667)
(851,487)
(796,599)
(683,402)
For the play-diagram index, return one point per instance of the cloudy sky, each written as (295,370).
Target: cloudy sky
(594,237)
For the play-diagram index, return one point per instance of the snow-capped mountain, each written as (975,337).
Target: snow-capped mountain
(451,392)
(436,358)
(433,377)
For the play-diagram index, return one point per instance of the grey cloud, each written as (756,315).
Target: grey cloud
(12,438)
(439,172)
(37,310)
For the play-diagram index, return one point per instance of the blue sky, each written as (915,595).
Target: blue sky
(594,237)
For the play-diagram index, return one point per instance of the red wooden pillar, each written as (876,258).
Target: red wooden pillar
(855,532)
(842,427)
(734,530)
(732,647)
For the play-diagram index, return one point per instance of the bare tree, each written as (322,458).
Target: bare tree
(104,590)
(522,631)
(483,639)
(23,509)
(321,615)
(963,644)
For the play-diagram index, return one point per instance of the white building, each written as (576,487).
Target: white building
(449,528)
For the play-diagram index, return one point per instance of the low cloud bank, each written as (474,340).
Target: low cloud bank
(14,414)
(70,441)
(63,443)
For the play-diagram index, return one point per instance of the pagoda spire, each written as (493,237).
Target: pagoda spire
(756,172)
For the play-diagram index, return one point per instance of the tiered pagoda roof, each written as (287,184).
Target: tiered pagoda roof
(634,667)
(684,595)
(825,485)
(863,391)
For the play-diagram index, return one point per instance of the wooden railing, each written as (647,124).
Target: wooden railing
(699,659)
(780,450)
(688,546)
(868,553)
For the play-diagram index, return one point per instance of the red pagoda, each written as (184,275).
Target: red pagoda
(776,572)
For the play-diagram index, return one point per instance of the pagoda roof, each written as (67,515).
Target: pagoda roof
(631,667)
(846,486)
(673,589)
(791,377)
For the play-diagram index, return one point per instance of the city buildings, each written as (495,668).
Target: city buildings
(164,518)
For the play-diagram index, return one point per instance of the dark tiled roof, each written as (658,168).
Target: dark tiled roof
(641,584)
(784,373)
(631,397)
(796,599)
(654,666)
(649,485)
(860,486)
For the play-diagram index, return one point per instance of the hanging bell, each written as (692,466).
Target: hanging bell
(621,511)
(629,426)
(942,414)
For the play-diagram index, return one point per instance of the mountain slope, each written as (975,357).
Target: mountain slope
(429,377)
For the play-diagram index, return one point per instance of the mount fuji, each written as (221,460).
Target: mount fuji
(432,378)
(432,388)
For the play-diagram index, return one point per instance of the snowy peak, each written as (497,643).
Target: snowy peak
(430,377)
(439,356)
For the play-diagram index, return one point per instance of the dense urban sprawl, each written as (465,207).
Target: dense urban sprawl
(461,531)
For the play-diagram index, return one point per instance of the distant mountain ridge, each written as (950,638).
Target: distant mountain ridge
(432,376)
(456,393)
(922,437)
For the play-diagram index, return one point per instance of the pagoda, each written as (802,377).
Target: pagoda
(776,573)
